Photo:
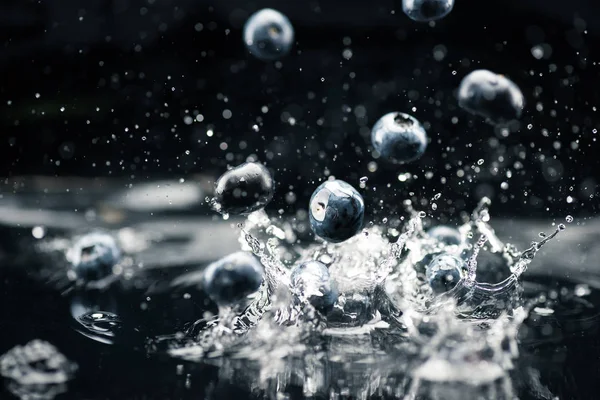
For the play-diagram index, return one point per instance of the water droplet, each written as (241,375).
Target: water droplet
(99,325)
(569,219)
(38,232)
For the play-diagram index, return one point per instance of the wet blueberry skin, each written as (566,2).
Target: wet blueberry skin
(268,35)
(399,138)
(443,273)
(244,189)
(336,211)
(427,10)
(311,276)
(445,234)
(491,96)
(94,255)
(232,278)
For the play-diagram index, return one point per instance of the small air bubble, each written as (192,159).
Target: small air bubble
(561,227)
(569,219)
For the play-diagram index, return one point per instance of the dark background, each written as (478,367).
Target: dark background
(128,72)
(103,88)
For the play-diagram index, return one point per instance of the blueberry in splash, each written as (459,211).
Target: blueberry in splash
(336,211)
(445,234)
(232,278)
(94,255)
(427,10)
(443,273)
(244,189)
(312,281)
(268,34)
(490,95)
(399,138)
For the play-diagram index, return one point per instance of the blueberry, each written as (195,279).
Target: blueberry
(445,234)
(232,278)
(312,280)
(424,262)
(244,189)
(427,10)
(399,138)
(268,34)
(443,273)
(94,255)
(336,211)
(492,96)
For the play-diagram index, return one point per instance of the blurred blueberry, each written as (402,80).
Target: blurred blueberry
(313,281)
(399,138)
(94,255)
(232,278)
(427,10)
(443,273)
(244,189)
(445,234)
(336,211)
(491,96)
(268,34)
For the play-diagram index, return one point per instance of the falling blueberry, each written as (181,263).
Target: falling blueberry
(399,138)
(492,96)
(427,10)
(445,234)
(312,280)
(94,255)
(268,34)
(443,273)
(336,211)
(244,189)
(232,278)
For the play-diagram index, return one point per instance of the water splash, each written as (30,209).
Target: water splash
(386,318)
(36,370)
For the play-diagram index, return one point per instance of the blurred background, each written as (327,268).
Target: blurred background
(139,105)
(133,91)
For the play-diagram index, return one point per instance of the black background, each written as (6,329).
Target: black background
(144,64)
(127,73)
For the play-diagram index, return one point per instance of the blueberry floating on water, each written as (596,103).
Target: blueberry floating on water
(427,10)
(490,95)
(399,138)
(443,273)
(268,34)
(336,211)
(244,189)
(312,280)
(232,278)
(445,234)
(94,255)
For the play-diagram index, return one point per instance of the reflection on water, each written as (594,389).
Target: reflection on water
(387,335)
